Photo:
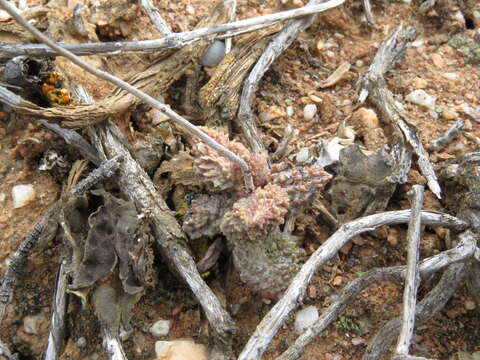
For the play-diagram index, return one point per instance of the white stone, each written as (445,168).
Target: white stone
(22,195)
(160,328)
(290,111)
(302,155)
(81,342)
(421,98)
(309,111)
(31,323)
(214,54)
(305,318)
(180,350)
(2,196)
(450,76)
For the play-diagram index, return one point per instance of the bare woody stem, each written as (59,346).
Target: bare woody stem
(275,318)
(179,120)
(173,40)
(413,276)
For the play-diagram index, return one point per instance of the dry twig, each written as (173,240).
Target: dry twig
(464,250)
(373,84)
(154,15)
(270,324)
(447,137)
(179,120)
(279,43)
(171,41)
(59,311)
(413,276)
(427,308)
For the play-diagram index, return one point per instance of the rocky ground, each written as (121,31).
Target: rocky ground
(441,62)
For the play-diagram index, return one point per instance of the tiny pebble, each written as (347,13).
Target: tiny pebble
(290,111)
(330,54)
(366,117)
(31,323)
(407,1)
(309,111)
(180,350)
(160,328)
(22,195)
(421,98)
(81,342)
(305,318)
(302,155)
(214,54)
(357,341)
(190,9)
(438,61)
(449,114)
(2,196)
(470,305)
(450,76)
(359,63)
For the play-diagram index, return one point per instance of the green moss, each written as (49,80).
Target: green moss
(468,47)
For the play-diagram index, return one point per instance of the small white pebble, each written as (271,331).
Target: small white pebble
(305,318)
(22,195)
(81,342)
(160,328)
(470,305)
(31,323)
(421,98)
(214,54)
(302,155)
(309,111)
(290,111)
(330,54)
(450,76)
(418,43)
(407,1)
(2,196)
(190,9)
(359,63)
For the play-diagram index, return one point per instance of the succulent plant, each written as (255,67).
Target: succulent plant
(254,217)
(219,173)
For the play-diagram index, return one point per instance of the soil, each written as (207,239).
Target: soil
(337,36)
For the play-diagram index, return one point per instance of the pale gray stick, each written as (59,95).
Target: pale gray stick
(279,43)
(179,120)
(446,138)
(59,312)
(373,84)
(231,16)
(73,138)
(412,280)
(113,346)
(427,308)
(154,15)
(275,318)
(464,250)
(137,185)
(19,257)
(288,134)
(367,7)
(173,40)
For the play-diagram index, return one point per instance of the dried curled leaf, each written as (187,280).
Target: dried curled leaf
(102,237)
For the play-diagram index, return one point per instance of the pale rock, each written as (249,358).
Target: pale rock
(2,196)
(305,318)
(470,305)
(359,63)
(365,117)
(81,342)
(449,114)
(309,111)
(290,111)
(160,328)
(450,76)
(420,83)
(31,323)
(303,155)
(22,195)
(438,61)
(214,54)
(180,350)
(421,98)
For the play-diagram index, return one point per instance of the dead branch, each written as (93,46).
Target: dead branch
(367,7)
(113,346)
(373,84)
(288,134)
(46,226)
(413,277)
(59,311)
(464,250)
(279,43)
(427,308)
(154,15)
(179,120)
(170,41)
(275,318)
(138,187)
(447,137)
(19,257)
(73,138)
